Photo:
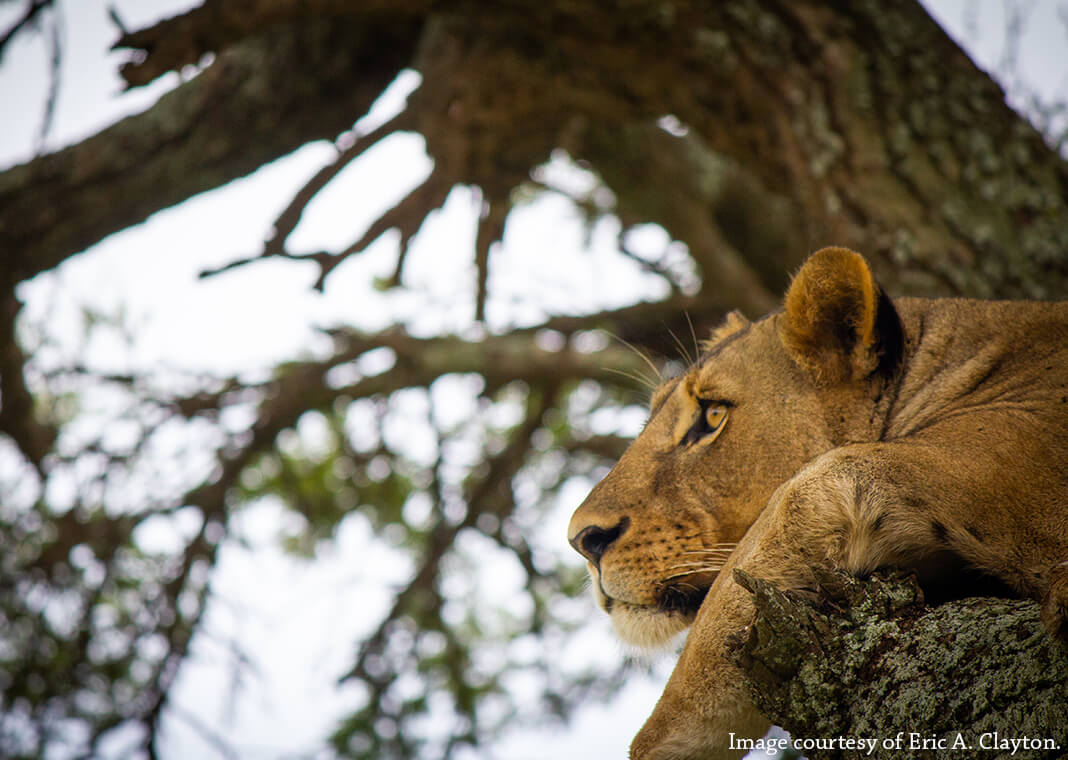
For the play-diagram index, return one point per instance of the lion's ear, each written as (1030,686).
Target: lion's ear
(838,324)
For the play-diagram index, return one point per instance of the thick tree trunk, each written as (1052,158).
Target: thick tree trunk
(859,124)
(869,660)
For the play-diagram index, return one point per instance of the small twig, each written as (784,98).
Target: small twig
(212,737)
(490,231)
(290,217)
(113,14)
(287,221)
(34,7)
(1016,14)
(406,217)
(55,63)
(322,258)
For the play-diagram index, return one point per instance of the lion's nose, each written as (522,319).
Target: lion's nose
(592,542)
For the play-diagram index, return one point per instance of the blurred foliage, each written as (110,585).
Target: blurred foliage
(97,615)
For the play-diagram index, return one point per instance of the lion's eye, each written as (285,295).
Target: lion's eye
(715,416)
(709,423)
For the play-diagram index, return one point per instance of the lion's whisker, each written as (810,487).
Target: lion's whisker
(708,559)
(720,543)
(682,348)
(698,566)
(684,573)
(640,379)
(693,334)
(685,585)
(688,564)
(644,357)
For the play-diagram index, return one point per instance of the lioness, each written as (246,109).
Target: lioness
(846,428)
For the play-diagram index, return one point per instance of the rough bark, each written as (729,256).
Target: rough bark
(866,118)
(870,660)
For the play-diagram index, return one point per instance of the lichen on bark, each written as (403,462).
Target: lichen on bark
(868,658)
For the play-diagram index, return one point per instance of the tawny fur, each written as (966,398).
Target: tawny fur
(860,432)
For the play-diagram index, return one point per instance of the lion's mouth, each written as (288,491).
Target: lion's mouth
(673,599)
(681,598)
(655,623)
(670,598)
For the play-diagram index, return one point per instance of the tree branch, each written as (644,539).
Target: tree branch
(17,414)
(218,24)
(190,141)
(869,659)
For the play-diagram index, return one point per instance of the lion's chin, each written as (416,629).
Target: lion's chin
(651,626)
(647,627)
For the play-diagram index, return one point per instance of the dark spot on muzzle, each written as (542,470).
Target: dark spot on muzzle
(684,599)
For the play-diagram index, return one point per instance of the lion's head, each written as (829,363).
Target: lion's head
(764,399)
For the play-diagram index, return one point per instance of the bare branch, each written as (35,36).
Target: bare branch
(290,217)
(287,221)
